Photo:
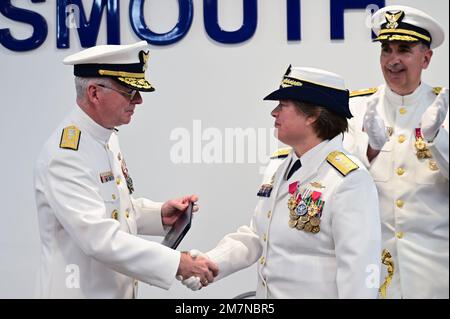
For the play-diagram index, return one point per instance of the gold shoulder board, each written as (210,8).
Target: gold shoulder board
(341,162)
(70,138)
(437,90)
(363,92)
(281,153)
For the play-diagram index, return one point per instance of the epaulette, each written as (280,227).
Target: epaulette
(281,153)
(341,162)
(363,92)
(70,138)
(437,90)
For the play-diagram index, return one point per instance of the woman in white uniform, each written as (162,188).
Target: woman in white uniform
(315,232)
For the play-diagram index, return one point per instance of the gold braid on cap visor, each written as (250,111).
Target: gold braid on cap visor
(121,74)
(403,31)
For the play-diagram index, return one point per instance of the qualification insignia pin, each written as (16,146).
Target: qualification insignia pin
(317,185)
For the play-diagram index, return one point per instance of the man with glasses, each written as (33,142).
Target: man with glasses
(87,215)
(400,131)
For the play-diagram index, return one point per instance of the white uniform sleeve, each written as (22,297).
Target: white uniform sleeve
(439,148)
(236,251)
(148,217)
(75,198)
(357,236)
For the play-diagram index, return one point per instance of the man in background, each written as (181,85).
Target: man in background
(400,132)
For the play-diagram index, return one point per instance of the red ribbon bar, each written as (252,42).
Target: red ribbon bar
(293,187)
(299,198)
(315,195)
(418,133)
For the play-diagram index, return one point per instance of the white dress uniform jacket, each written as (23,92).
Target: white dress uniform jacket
(88,220)
(413,193)
(341,261)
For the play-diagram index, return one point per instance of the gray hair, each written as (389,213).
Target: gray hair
(81,85)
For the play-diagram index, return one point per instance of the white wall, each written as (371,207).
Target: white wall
(196,79)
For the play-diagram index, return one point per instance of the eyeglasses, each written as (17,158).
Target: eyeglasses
(130,95)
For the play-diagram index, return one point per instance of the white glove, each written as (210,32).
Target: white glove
(193,282)
(434,116)
(374,125)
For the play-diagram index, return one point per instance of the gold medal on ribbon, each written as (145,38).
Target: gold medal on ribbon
(315,221)
(421,146)
(300,226)
(308,227)
(315,229)
(313,210)
(292,223)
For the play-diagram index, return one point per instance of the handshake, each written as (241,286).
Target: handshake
(196,270)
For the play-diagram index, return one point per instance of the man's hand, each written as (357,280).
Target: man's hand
(173,208)
(193,282)
(374,125)
(197,270)
(434,116)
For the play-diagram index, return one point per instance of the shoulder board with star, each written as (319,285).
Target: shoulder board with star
(341,163)
(70,138)
(281,153)
(437,90)
(364,92)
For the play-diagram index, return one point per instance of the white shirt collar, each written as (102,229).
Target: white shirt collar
(86,123)
(404,100)
(313,158)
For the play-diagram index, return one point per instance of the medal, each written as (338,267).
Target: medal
(293,215)
(308,227)
(312,210)
(292,203)
(301,209)
(305,209)
(300,226)
(421,146)
(315,229)
(292,223)
(127,176)
(304,219)
(315,221)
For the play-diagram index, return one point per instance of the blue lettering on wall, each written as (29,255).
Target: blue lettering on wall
(176,34)
(70,14)
(337,8)
(246,31)
(37,21)
(294,29)
(87,29)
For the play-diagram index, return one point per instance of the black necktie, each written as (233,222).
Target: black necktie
(294,168)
